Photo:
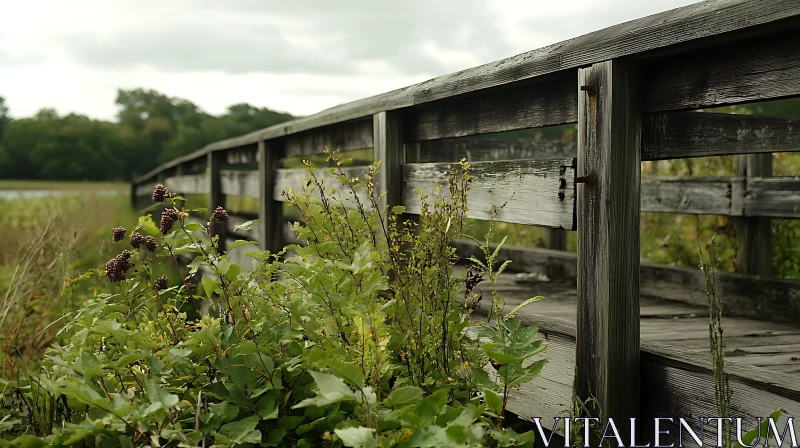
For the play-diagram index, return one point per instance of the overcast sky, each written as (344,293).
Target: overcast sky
(290,55)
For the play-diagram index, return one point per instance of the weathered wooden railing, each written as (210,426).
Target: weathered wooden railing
(631,89)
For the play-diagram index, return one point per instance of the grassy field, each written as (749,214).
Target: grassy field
(16,184)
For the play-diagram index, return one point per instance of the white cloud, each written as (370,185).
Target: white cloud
(300,57)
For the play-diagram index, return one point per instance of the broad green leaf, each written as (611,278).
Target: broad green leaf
(360,437)
(405,395)
(240,243)
(331,389)
(209,286)
(494,400)
(249,225)
(242,431)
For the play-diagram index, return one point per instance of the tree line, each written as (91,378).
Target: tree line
(151,128)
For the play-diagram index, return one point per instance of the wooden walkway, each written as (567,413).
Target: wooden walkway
(748,342)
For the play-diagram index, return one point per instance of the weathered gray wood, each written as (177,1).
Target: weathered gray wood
(390,151)
(710,22)
(524,105)
(754,235)
(609,140)
(187,184)
(216,195)
(295,178)
(243,154)
(240,183)
(694,195)
(482,150)
(698,134)
(555,239)
(354,134)
(270,211)
(753,70)
(777,197)
(770,299)
(529,189)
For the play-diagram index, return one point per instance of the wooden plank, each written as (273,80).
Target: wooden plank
(294,178)
(711,22)
(769,299)
(693,195)
(545,102)
(483,150)
(240,183)
(186,184)
(216,195)
(389,150)
(242,154)
(757,69)
(354,134)
(609,140)
(270,211)
(529,189)
(777,197)
(698,134)
(754,235)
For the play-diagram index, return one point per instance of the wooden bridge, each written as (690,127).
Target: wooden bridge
(633,334)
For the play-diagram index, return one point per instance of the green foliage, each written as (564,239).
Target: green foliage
(153,128)
(357,337)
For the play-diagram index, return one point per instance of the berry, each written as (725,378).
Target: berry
(190,286)
(159,193)
(220,215)
(150,243)
(162,283)
(168,218)
(137,240)
(116,267)
(118,233)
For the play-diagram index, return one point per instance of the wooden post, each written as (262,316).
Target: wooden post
(754,235)
(389,149)
(607,349)
(216,198)
(270,211)
(555,239)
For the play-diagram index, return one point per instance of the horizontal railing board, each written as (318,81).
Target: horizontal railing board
(698,134)
(240,183)
(294,178)
(757,69)
(693,195)
(531,104)
(480,150)
(187,184)
(770,299)
(710,22)
(355,134)
(777,197)
(243,154)
(528,188)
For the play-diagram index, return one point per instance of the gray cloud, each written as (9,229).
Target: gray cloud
(344,38)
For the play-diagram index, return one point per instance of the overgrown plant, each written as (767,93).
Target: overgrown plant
(357,337)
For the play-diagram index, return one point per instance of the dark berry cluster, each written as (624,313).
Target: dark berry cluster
(168,218)
(137,240)
(159,193)
(190,286)
(118,233)
(162,283)
(117,266)
(220,215)
(150,243)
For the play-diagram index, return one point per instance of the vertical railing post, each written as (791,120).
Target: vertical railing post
(555,239)
(609,137)
(270,211)
(216,198)
(389,149)
(754,235)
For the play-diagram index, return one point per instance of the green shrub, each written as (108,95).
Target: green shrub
(360,337)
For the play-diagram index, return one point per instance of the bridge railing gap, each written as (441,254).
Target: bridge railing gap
(633,90)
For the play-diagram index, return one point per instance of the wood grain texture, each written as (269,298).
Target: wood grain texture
(547,102)
(242,154)
(529,189)
(187,184)
(390,151)
(609,145)
(777,197)
(696,134)
(354,134)
(753,70)
(479,150)
(769,299)
(270,211)
(693,195)
(754,234)
(711,23)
